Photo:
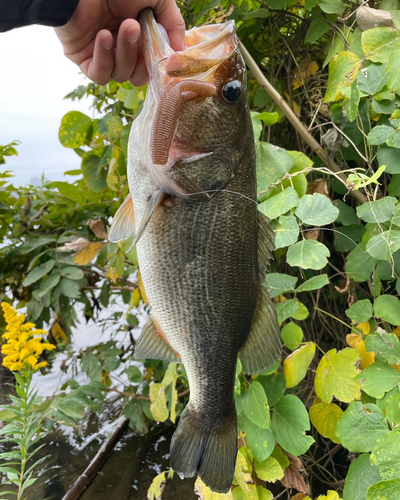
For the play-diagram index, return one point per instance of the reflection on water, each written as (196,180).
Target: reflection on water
(130,468)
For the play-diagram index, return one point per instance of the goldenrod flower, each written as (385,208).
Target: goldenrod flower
(24,343)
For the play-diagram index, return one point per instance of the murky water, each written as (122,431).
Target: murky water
(130,468)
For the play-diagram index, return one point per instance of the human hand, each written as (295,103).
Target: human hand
(102,37)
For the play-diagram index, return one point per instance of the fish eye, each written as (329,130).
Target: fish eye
(232,90)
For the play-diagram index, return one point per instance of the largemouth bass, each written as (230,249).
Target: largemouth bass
(203,247)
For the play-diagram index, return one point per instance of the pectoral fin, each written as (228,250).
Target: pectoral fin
(265,243)
(123,224)
(152,203)
(152,345)
(263,345)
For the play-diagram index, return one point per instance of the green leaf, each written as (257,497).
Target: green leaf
(255,405)
(272,164)
(33,244)
(377,211)
(396,216)
(316,210)
(269,470)
(94,168)
(71,191)
(296,364)
(70,288)
(72,408)
(260,441)
(387,307)
(48,284)
(332,6)
(292,336)
(380,134)
(289,423)
(360,476)
(308,254)
(279,204)
(372,79)
(287,231)
(359,265)
(383,245)
(287,308)
(378,378)
(360,311)
(73,273)
(314,283)
(360,426)
(393,411)
(317,29)
(278,283)
(389,157)
(342,71)
(352,105)
(274,386)
(110,126)
(335,376)
(75,130)
(393,67)
(130,97)
(324,418)
(277,4)
(38,272)
(385,345)
(378,43)
(134,374)
(386,455)
(385,490)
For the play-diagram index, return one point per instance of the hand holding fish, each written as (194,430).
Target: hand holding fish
(102,37)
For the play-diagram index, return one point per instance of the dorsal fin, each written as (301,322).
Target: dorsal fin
(151,345)
(123,224)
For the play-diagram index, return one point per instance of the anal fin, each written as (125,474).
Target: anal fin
(123,224)
(262,347)
(152,345)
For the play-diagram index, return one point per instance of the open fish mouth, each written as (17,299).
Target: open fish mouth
(176,77)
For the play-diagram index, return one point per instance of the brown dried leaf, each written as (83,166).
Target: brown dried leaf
(292,477)
(77,244)
(97,226)
(88,252)
(312,235)
(318,186)
(368,18)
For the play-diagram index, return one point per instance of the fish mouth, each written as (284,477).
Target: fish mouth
(176,77)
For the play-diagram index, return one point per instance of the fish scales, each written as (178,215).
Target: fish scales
(199,243)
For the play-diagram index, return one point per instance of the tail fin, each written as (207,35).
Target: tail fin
(211,453)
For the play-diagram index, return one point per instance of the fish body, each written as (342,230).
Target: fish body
(202,245)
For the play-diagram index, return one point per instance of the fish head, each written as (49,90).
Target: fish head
(197,116)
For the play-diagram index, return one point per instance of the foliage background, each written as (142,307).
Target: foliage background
(325,420)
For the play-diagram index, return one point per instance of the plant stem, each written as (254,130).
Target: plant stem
(291,116)
(27,376)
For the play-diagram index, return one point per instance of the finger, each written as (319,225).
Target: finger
(168,14)
(100,65)
(126,52)
(139,77)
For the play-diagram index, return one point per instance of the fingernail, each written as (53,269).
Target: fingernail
(106,42)
(132,35)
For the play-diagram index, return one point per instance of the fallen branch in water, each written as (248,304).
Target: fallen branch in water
(95,465)
(298,126)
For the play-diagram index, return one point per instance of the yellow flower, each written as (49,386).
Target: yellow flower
(24,344)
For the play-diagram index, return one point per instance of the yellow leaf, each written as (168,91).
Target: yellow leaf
(243,475)
(324,418)
(58,333)
(301,496)
(142,290)
(335,376)
(364,326)
(205,493)
(136,297)
(303,73)
(396,331)
(158,405)
(331,495)
(111,273)
(296,364)
(88,252)
(156,487)
(355,340)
